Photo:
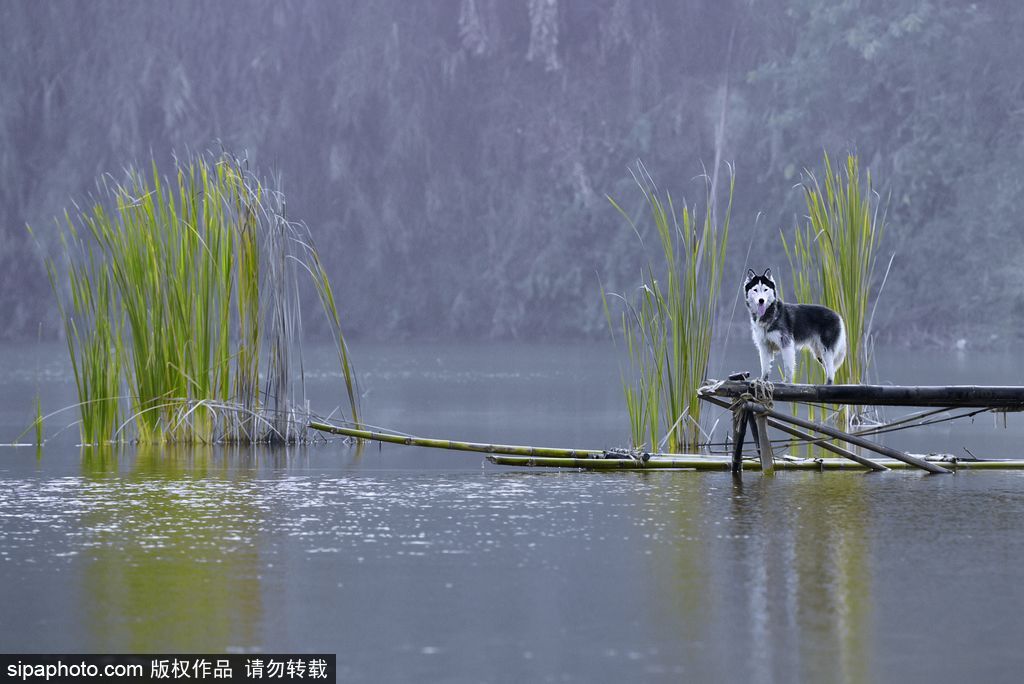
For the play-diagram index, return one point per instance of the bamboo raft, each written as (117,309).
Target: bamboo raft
(742,399)
(750,406)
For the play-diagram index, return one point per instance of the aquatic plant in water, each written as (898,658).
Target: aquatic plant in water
(668,324)
(833,255)
(181,307)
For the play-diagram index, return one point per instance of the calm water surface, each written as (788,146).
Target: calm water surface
(419,565)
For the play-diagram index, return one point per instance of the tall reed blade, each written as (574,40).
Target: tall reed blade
(667,326)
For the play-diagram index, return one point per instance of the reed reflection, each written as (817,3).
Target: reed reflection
(176,539)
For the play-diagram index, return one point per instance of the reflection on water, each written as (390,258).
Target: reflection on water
(419,565)
(174,558)
(810,573)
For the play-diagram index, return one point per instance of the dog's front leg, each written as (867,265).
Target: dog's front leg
(789,362)
(766,361)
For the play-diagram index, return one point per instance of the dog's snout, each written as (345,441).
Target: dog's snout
(761,300)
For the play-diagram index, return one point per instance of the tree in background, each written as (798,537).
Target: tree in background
(460,150)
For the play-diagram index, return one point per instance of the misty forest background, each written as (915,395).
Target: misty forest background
(452,157)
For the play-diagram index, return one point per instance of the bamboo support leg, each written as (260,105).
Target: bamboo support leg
(767,456)
(740,418)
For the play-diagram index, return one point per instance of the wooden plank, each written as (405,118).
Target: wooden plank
(951,396)
(817,441)
(767,455)
(848,438)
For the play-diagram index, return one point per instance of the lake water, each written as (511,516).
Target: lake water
(423,565)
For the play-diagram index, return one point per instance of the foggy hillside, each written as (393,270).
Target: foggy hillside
(452,157)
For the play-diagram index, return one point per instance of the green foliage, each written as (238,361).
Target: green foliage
(833,256)
(667,327)
(176,288)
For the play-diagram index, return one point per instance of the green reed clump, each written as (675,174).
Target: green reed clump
(183,293)
(667,326)
(834,254)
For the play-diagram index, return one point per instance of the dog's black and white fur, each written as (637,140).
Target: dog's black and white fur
(781,327)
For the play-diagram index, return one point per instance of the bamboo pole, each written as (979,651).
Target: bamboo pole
(509,449)
(740,418)
(817,441)
(767,455)
(848,438)
(594,459)
(712,463)
(951,396)
(752,424)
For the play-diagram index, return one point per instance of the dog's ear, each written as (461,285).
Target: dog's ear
(767,273)
(750,274)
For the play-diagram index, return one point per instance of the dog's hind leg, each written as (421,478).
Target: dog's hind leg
(839,351)
(839,355)
(833,358)
(828,360)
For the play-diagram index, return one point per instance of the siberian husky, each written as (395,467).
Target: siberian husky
(781,327)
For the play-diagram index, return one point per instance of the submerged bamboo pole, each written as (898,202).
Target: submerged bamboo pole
(789,429)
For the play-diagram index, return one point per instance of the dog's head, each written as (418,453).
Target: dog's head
(760,291)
